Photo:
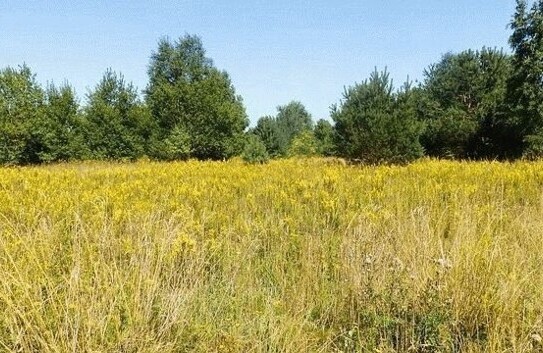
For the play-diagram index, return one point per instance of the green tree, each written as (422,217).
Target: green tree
(254,150)
(525,88)
(21,116)
(176,146)
(372,125)
(325,135)
(187,92)
(267,130)
(278,132)
(292,119)
(117,121)
(62,132)
(462,103)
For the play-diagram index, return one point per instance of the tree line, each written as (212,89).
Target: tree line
(476,104)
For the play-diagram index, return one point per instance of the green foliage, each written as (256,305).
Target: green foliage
(278,132)
(176,146)
(292,119)
(525,88)
(373,125)
(254,150)
(62,134)
(186,91)
(36,125)
(21,111)
(462,103)
(325,134)
(267,130)
(482,104)
(534,146)
(117,122)
(303,145)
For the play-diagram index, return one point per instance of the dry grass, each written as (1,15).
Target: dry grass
(294,256)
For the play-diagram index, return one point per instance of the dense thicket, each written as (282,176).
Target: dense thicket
(65,136)
(21,116)
(476,104)
(325,134)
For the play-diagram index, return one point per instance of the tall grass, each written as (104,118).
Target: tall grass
(293,256)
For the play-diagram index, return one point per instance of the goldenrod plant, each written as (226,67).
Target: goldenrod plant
(301,255)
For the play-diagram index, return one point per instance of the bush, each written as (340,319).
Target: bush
(175,147)
(277,133)
(255,150)
(304,144)
(324,133)
(534,147)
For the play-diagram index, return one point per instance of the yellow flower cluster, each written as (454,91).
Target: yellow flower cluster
(296,255)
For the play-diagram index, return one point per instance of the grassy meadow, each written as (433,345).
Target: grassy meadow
(293,256)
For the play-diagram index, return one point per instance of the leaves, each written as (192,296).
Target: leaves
(277,133)
(374,125)
(525,86)
(116,120)
(254,150)
(186,91)
(21,114)
(462,104)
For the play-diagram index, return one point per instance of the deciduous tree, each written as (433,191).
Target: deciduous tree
(186,92)
(117,121)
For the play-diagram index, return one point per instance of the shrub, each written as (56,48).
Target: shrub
(305,144)
(255,150)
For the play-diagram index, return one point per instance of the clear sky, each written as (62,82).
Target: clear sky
(275,51)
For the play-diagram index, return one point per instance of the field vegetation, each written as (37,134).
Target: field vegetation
(158,220)
(299,255)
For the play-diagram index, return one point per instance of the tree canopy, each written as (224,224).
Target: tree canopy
(474,104)
(187,93)
(117,123)
(21,114)
(525,85)
(462,104)
(278,132)
(372,125)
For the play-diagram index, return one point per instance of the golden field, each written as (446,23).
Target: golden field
(292,256)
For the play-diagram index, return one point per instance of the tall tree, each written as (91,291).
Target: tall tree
(325,136)
(372,126)
(21,116)
(62,133)
(525,88)
(187,93)
(117,121)
(462,104)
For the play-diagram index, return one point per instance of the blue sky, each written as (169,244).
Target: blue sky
(274,51)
